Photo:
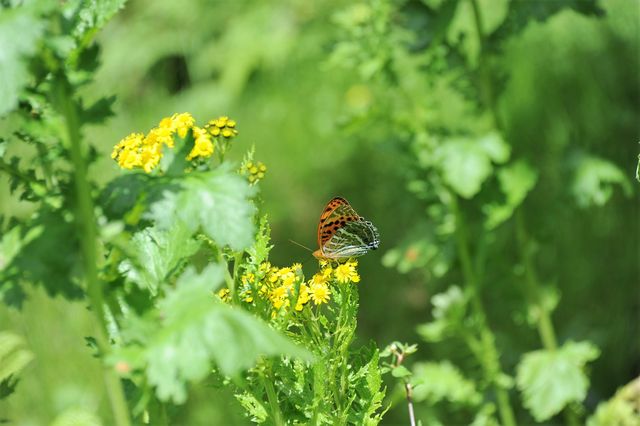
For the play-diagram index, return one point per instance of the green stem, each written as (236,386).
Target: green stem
(545,325)
(546,330)
(486,87)
(273,400)
(86,222)
(488,355)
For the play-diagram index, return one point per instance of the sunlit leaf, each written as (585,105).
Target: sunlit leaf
(621,409)
(551,379)
(466,163)
(216,202)
(194,331)
(464,27)
(13,359)
(516,180)
(449,309)
(442,381)
(157,253)
(595,179)
(15,52)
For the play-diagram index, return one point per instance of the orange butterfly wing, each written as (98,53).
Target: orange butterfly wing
(337,212)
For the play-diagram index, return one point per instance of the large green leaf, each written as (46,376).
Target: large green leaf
(466,163)
(216,202)
(156,254)
(443,381)
(551,379)
(193,330)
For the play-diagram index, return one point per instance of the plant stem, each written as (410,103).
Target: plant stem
(546,330)
(86,222)
(273,400)
(409,390)
(488,355)
(545,325)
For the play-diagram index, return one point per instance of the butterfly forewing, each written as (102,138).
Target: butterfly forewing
(343,234)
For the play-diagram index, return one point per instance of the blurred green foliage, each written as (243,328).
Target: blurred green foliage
(531,127)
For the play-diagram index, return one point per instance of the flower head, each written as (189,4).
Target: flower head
(222,126)
(254,170)
(320,293)
(347,272)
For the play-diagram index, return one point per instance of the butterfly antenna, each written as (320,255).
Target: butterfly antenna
(304,247)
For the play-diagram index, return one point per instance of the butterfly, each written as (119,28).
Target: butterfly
(342,233)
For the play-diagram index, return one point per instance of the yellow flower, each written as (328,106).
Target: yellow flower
(320,293)
(126,152)
(279,297)
(223,294)
(222,126)
(246,295)
(150,157)
(202,146)
(347,272)
(303,297)
(254,171)
(160,135)
(182,123)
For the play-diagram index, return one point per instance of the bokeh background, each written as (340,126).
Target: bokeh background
(567,84)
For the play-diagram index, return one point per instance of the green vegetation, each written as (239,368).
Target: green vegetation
(494,144)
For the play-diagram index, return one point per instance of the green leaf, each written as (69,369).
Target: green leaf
(16,52)
(621,410)
(218,202)
(551,379)
(443,381)
(156,253)
(516,180)
(254,408)
(46,252)
(594,181)
(196,330)
(94,14)
(13,359)
(449,309)
(400,372)
(466,163)
(463,28)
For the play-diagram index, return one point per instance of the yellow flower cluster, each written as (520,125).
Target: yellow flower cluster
(254,171)
(283,286)
(222,126)
(145,152)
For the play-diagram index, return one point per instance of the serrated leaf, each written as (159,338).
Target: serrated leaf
(99,111)
(594,181)
(464,165)
(516,180)
(197,331)
(551,379)
(156,254)
(216,202)
(93,14)
(442,381)
(15,51)
(47,253)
